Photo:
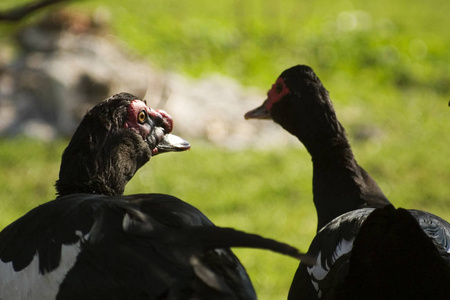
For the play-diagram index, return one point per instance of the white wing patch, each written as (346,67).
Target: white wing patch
(29,283)
(342,248)
(318,272)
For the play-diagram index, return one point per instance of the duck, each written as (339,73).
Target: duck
(93,242)
(346,197)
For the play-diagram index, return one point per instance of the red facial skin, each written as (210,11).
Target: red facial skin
(135,107)
(160,118)
(278,90)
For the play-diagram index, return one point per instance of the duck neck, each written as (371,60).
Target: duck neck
(105,168)
(336,176)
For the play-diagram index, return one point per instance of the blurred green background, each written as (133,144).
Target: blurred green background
(385,63)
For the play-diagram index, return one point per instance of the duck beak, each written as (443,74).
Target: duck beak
(259,113)
(171,143)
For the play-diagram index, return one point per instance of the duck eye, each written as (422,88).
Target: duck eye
(142,117)
(279,88)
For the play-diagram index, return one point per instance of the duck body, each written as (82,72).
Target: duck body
(406,252)
(80,248)
(382,253)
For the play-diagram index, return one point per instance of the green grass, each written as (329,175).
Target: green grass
(384,62)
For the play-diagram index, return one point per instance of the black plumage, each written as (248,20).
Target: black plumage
(403,251)
(159,255)
(382,253)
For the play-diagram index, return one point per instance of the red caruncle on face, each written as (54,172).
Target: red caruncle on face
(136,121)
(278,90)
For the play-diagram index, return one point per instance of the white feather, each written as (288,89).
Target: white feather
(29,283)
(319,272)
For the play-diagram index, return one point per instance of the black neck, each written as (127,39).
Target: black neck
(337,177)
(336,185)
(94,166)
(340,185)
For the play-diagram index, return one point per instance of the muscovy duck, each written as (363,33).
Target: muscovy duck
(301,105)
(86,244)
(299,102)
